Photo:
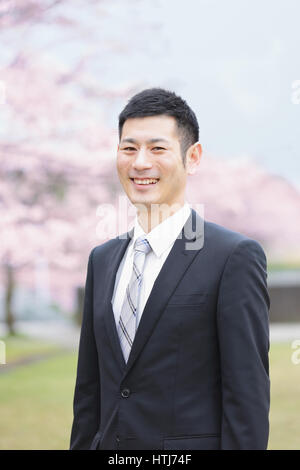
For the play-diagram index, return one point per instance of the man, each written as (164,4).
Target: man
(174,342)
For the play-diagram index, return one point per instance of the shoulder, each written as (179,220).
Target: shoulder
(221,238)
(107,248)
(222,234)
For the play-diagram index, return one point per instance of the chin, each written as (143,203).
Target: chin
(145,201)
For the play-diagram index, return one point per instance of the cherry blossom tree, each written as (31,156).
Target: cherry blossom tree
(54,142)
(244,197)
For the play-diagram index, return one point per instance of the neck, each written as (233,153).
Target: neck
(156,214)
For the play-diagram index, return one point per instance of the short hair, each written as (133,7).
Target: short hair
(157,101)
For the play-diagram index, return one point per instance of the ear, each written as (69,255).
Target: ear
(193,157)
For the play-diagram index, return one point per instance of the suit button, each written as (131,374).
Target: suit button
(117,439)
(125,393)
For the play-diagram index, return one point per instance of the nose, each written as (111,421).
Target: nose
(142,161)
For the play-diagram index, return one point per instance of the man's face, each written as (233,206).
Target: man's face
(149,161)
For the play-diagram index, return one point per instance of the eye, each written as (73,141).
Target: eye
(129,149)
(158,148)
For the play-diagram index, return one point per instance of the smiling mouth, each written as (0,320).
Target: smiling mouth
(144,181)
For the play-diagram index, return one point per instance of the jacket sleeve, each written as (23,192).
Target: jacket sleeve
(243,332)
(86,404)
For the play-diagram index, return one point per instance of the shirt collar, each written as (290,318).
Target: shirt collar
(165,233)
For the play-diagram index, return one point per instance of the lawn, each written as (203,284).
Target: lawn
(285,398)
(21,347)
(36,399)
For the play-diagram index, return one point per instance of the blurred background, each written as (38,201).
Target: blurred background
(67,68)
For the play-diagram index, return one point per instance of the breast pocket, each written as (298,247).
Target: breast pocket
(188,300)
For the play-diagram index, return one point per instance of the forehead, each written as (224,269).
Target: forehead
(145,128)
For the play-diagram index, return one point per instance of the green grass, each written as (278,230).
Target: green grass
(285,398)
(36,401)
(20,347)
(36,404)
(284,266)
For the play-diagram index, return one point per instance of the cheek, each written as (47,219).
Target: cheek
(173,173)
(122,165)
(168,169)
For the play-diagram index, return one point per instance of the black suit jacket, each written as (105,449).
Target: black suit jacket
(198,373)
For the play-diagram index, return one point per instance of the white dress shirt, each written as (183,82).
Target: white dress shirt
(161,239)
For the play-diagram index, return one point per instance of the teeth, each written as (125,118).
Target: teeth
(145,181)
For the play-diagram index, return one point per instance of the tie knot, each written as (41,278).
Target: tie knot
(142,245)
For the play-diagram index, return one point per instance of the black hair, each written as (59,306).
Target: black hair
(157,101)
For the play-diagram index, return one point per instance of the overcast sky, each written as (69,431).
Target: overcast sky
(235,62)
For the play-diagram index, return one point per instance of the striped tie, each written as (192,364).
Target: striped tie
(127,321)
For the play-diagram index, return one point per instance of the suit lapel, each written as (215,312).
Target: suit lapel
(180,257)
(115,257)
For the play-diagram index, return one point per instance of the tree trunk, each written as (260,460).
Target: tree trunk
(9,316)
(79,305)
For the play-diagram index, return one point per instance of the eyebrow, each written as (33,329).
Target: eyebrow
(150,141)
